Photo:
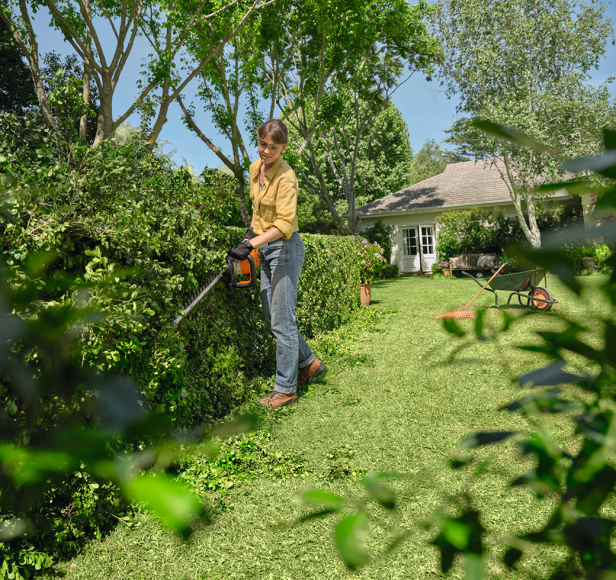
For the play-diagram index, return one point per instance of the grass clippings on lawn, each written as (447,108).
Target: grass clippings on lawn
(395,400)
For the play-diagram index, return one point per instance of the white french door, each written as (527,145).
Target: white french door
(414,238)
(410,250)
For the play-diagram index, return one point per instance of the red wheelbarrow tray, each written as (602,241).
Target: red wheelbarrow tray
(537,297)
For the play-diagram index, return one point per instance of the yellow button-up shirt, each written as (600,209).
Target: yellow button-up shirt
(276,203)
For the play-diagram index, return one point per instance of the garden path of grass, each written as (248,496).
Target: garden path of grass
(403,411)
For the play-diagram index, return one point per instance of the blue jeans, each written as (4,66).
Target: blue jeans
(281,265)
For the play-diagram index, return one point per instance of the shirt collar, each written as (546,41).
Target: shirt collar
(269,174)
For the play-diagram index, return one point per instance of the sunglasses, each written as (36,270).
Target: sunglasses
(272,146)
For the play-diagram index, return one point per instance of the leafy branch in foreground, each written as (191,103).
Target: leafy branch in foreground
(578,484)
(351,529)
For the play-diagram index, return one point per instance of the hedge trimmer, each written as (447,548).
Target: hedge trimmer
(234,269)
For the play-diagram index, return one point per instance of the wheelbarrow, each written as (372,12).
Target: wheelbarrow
(524,285)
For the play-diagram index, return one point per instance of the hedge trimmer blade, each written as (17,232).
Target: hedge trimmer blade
(195,300)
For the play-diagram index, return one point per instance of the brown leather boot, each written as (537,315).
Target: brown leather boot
(275,400)
(309,374)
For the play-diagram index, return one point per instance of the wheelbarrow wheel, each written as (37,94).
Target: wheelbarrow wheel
(542,293)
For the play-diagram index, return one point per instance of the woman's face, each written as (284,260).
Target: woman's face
(269,149)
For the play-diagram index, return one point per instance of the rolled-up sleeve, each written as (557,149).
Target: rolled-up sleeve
(286,206)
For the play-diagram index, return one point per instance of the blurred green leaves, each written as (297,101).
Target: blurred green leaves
(579,482)
(63,418)
(352,529)
(462,535)
(349,535)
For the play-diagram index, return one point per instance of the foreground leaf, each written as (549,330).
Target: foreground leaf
(167,499)
(550,376)
(480,439)
(350,533)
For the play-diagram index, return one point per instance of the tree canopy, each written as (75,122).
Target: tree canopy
(16,88)
(381,166)
(525,64)
(431,160)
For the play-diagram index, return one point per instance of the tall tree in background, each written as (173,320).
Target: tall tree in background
(525,64)
(166,24)
(374,163)
(431,160)
(229,91)
(337,66)
(16,88)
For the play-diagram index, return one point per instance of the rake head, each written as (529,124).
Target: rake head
(462,313)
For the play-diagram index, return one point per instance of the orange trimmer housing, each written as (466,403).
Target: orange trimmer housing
(247,267)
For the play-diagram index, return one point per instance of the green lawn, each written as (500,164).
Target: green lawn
(403,410)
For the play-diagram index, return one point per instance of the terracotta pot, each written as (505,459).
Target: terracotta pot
(446,272)
(365,294)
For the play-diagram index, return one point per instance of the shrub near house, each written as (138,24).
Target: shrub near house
(478,231)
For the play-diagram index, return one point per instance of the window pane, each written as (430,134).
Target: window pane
(427,240)
(409,244)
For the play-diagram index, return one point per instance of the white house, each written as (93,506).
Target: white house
(412,211)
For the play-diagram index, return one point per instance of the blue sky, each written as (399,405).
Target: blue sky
(426,110)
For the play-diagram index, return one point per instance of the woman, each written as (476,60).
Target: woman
(273,189)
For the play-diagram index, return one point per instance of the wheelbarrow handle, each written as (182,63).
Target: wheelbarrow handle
(488,282)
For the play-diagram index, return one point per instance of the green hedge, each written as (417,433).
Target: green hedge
(147,236)
(144,237)
(600,252)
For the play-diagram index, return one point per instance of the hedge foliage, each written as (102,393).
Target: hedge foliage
(600,252)
(150,236)
(144,236)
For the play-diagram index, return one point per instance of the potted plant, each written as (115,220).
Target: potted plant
(371,263)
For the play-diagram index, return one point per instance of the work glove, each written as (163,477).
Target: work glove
(241,251)
(249,234)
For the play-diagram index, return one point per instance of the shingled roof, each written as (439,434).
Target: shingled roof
(468,183)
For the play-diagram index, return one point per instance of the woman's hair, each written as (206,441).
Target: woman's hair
(274,129)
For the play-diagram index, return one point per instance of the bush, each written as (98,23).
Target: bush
(390,271)
(147,237)
(600,252)
(382,235)
(371,260)
(478,230)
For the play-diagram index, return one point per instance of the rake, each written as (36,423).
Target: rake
(465,312)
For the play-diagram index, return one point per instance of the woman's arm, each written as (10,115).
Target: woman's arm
(269,236)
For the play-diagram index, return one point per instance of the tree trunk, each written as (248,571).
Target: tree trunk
(241,192)
(531,232)
(322,191)
(353,219)
(535,233)
(83,122)
(41,95)
(104,124)
(161,118)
